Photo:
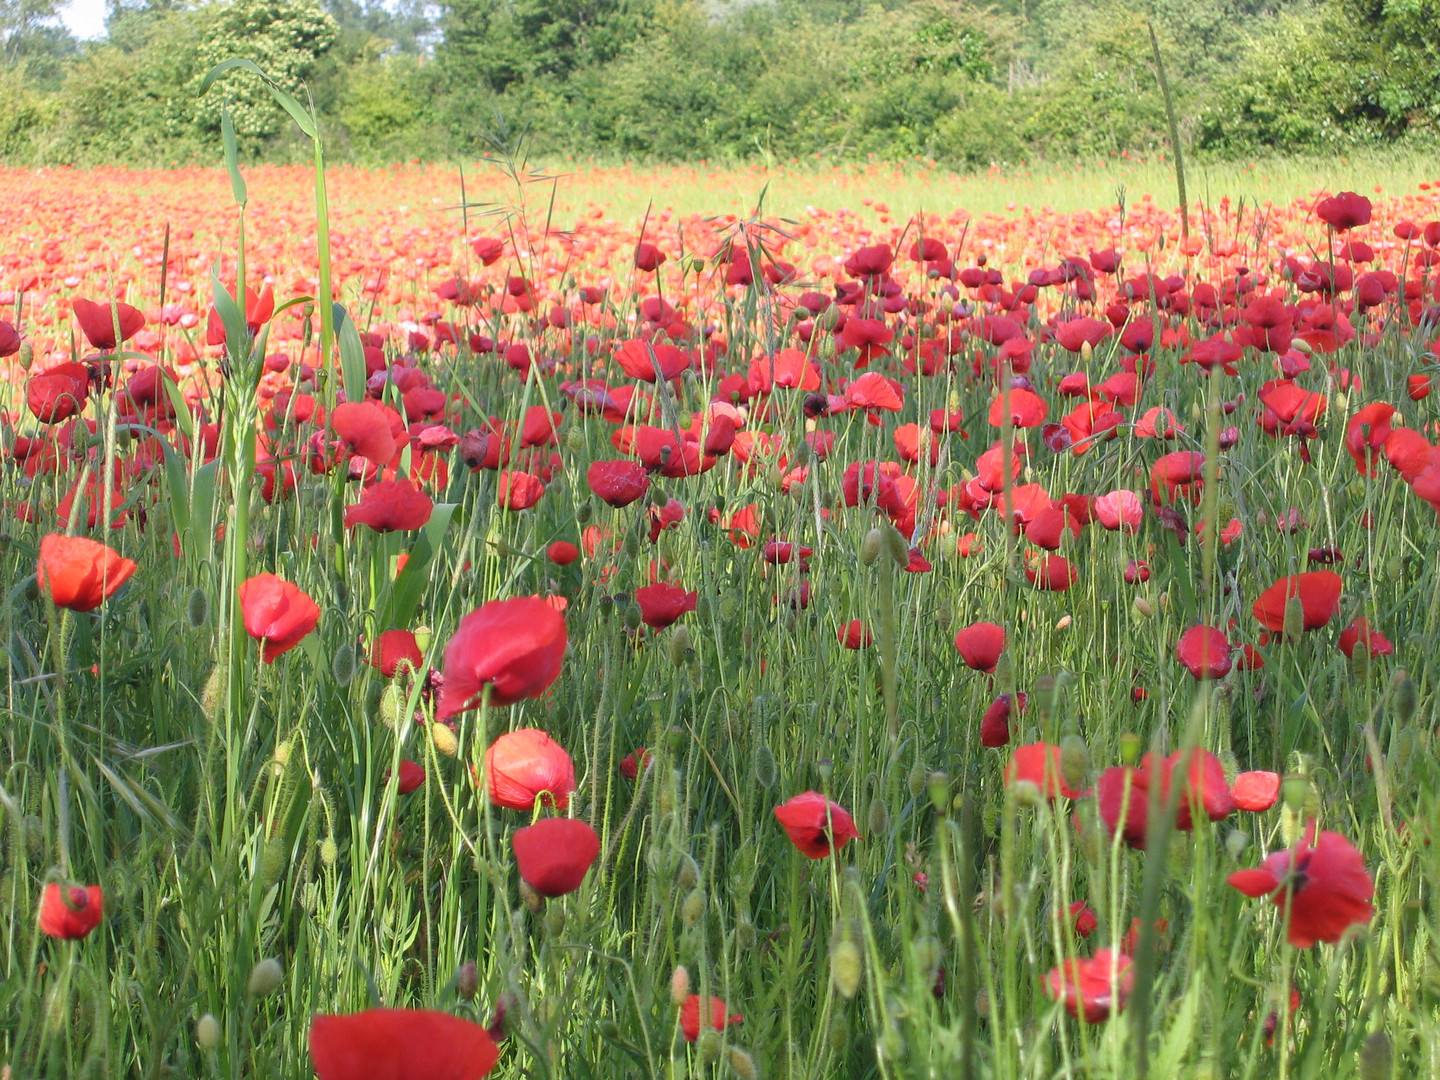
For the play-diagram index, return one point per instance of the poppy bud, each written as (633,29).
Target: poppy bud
(632,618)
(1402,746)
(871,547)
(679,984)
(1074,762)
(584,512)
(609,1030)
(446,744)
(1086,351)
(1404,698)
(265,978)
(1142,607)
(1130,747)
(879,822)
(927,954)
(390,703)
(1293,627)
(329,851)
(744,933)
(692,909)
(708,1045)
(631,544)
(207,1032)
(837,1035)
(467,980)
(1236,841)
(1377,1058)
(763,767)
(938,786)
(575,440)
(846,968)
(342,665)
(26,356)
(554,920)
(272,860)
(212,694)
(895,546)
(1360,664)
(826,768)
(680,650)
(197,609)
(741,1063)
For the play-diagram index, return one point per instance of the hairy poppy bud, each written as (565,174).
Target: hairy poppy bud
(1236,841)
(1404,697)
(837,1035)
(632,617)
(871,547)
(879,822)
(741,1063)
(692,909)
(342,665)
(575,440)
(688,875)
(1360,664)
(1130,747)
(1402,746)
(554,920)
(938,786)
(1086,352)
(584,512)
(895,547)
(679,646)
(446,744)
(273,858)
(708,1045)
(763,766)
(679,984)
(211,696)
(467,980)
(207,1032)
(846,968)
(329,851)
(1293,626)
(391,701)
(26,356)
(1143,607)
(197,609)
(265,978)
(1074,762)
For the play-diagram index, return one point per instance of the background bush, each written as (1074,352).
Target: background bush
(962,83)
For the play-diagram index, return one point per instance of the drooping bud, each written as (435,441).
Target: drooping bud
(265,978)
(342,665)
(846,968)
(1404,698)
(197,613)
(871,547)
(879,817)
(1294,625)
(212,695)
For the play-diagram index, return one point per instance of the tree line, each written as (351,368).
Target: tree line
(964,84)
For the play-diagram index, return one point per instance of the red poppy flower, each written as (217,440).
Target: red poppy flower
(1319,593)
(513,646)
(815,824)
(525,765)
(1027,409)
(562,553)
(719,1019)
(618,483)
(554,855)
(648,257)
(395,648)
(874,391)
(645,361)
(412,776)
(390,506)
(97,321)
(70,911)
(1324,881)
(632,763)
(277,614)
(1256,791)
(854,635)
(995,724)
(1365,434)
(365,429)
(518,490)
(1176,474)
(1123,788)
(1344,211)
(1359,631)
(980,645)
(1119,511)
(662,604)
(9,339)
(1206,788)
(58,393)
(400,1044)
(1051,572)
(1083,919)
(1039,764)
(1205,652)
(78,573)
(1096,987)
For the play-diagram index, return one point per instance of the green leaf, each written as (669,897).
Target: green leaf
(405,593)
(232,156)
(352,355)
(287,101)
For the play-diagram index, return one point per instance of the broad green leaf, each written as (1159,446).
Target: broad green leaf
(405,593)
(232,156)
(352,355)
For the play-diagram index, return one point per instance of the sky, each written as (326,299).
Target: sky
(84,18)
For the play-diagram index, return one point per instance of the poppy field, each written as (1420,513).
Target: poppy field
(652,645)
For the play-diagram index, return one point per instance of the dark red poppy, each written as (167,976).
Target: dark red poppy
(1322,880)
(1359,633)
(70,911)
(394,650)
(995,724)
(525,765)
(515,647)
(1344,211)
(9,340)
(554,855)
(815,825)
(617,483)
(97,321)
(78,573)
(58,393)
(1123,794)
(1095,988)
(400,1044)
(1319,593)
(980,645)
(718,1020)
(1205,652)
(632,763)
(648,257)
(277,614)
(412,776)
(662,604)
(390,506)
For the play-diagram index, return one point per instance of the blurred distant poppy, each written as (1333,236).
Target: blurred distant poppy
(70,911)
(718,1019)
(1095,988)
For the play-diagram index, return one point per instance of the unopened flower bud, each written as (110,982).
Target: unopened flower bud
(197,610)
(1074,762)
(1130,747)
(764,768)
(741,1063)
(342,665)
(846,968)
(896,547)
(207,1032)
(879,817)
(1294,624)
(446,744)
(265,978)
(679,984)
(1377,1058)
(680,646)
(467,980)
(938,785)
(1404,698)
(1236,841)
(871,547)
(692,908)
